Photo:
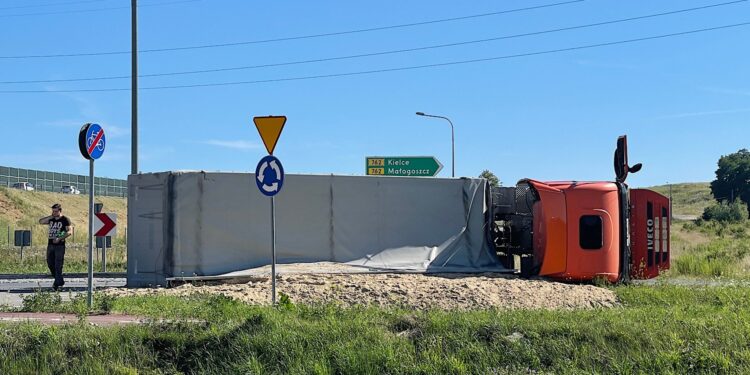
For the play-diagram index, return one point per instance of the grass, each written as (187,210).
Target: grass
(663,329)
(76,259)
(688,199)
(22,210)
(705,248)
(711,249)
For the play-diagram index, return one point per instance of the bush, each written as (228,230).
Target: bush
(725,212)
(41,301)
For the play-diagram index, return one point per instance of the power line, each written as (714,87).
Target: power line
(298,37)
(94,10)
(53,4)
(414,67)
(379,53)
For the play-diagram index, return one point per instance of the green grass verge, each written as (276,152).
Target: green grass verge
(661,329)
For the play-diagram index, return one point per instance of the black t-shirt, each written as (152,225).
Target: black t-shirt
(57,228)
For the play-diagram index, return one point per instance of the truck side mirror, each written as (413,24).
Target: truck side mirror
(621,160)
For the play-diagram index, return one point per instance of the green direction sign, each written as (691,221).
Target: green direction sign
(410,166)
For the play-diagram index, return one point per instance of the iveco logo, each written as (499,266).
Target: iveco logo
(650,233)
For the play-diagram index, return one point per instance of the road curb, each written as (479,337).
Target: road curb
(97,320)
(100,275)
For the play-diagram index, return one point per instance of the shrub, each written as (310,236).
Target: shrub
(41,301)
(285,302)
(725,212)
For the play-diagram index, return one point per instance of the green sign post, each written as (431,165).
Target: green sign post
(409,166)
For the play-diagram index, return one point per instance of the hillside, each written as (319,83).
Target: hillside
(22,209)
(688,199)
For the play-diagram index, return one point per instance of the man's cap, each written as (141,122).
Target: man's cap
(57,206)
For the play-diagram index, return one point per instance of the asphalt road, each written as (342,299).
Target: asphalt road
(12,290)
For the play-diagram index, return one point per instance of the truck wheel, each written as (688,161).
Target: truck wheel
(527,267)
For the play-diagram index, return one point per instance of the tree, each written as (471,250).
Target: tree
(733,178)
(489,176)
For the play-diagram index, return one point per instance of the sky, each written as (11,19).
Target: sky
(683,100)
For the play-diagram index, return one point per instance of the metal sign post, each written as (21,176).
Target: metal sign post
(104,257)
(90,285)
(273,244)
(91,142)
(269,176)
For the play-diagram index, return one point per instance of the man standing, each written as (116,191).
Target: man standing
(60,228)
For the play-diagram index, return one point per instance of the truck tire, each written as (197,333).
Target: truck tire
(527,267)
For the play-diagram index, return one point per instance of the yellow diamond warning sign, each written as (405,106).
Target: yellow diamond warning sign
(270,128)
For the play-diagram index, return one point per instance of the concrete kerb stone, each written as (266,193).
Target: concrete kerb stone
(96,320)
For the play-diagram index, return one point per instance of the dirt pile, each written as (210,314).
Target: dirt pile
(412,291)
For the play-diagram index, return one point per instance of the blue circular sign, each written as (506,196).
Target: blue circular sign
(91,141)
(269,175)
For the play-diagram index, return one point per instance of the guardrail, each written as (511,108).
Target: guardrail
(54,181)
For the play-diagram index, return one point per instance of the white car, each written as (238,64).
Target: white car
(70,189)
(23,186)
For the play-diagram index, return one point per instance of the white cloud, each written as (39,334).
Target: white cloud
(237,145)
(86,106)
(742,92)
(68,124)
(112,131)
(43,158)
(703,113)
(148,153)
(116,156)
(606,64)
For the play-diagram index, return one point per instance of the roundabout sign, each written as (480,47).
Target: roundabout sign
(269,176)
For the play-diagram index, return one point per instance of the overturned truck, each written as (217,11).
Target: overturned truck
(199,224)
(579,231)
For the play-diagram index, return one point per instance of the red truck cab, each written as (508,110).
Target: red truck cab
(579,231)
(577,234)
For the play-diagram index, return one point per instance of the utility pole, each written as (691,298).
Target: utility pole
(671,215)
(134,87)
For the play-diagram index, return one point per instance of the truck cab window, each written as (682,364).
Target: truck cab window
(590,232)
